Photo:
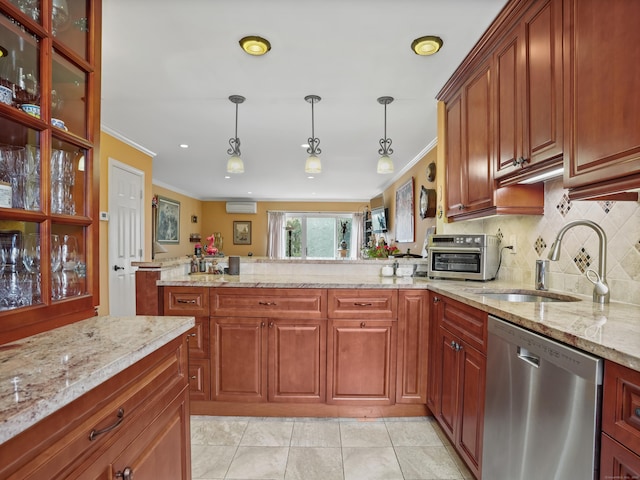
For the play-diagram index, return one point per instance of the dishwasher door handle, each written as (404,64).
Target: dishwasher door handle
(526,356)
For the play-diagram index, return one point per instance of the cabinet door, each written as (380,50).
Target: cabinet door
(477,166)
(471,408)
(199,379)
(448,388)
(198,338)
(617,461)
(454,152)
(602,105)
(435,355)
(413,342)
(542,74)
(361,363)
(239,359)
(162,450)
(297,361)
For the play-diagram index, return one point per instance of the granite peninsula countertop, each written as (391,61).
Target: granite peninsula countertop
(43,373)
(609,331)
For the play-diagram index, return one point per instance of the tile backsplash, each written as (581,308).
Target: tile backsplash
(535,234)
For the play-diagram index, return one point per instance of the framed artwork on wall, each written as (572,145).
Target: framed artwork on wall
(404,212)
(168,228)
(242,233)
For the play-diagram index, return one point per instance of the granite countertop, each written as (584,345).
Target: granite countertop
(609,331)
(43,373)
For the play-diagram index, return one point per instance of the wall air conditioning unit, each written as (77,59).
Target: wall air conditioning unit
(242,207)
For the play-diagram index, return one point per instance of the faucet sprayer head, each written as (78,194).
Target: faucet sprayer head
(554,251)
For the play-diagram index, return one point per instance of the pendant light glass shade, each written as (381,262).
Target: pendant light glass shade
(313,163)
(235,163)
(385,163)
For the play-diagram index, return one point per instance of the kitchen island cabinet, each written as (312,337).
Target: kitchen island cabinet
(112,400)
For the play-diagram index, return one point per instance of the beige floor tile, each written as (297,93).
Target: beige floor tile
(364,434)
(217,431)
(413,434)
(258,463)
(418,463)
(316,434)
(267,434)
(377,463)
(307,463)
(464,471)
(210,461)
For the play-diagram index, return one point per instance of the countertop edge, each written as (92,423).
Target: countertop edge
(43,407)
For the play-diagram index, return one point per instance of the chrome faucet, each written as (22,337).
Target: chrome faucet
(601,291)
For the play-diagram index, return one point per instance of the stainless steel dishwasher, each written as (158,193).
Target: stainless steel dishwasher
(541,408)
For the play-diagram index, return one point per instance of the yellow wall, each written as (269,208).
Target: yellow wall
(419,174)
(111,147)
(188,207)
(216,219)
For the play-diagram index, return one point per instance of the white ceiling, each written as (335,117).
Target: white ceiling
(169,66)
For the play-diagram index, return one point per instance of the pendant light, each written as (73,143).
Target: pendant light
(385,164)
(313,164)
(235,164)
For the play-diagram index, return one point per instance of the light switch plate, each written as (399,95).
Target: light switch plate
(104,216)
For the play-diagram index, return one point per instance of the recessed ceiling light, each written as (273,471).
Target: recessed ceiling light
(426,45)
(227,176)
(311,177)
(184,145)
(255,45)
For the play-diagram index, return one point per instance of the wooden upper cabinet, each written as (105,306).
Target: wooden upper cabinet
(469,175)
(527,66)
(602,105)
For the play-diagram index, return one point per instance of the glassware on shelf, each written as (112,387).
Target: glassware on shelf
(15,283)
(59,16)
(31,261)
(70,255)
(62,182)
(56,266)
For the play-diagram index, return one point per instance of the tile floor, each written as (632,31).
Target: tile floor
(252,448)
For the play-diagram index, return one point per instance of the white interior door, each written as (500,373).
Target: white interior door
(126,231)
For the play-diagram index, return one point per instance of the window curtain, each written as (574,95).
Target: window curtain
(276,223)
(357,234)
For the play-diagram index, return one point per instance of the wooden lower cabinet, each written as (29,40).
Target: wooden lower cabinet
(275,360)
(413,346)
(620,450)
(139,420)
(361,362)
(457,376)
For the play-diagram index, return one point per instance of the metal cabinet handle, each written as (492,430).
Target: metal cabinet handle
(262,324)
(193,334)
(362,304)
(117,267)
(193,377)
(270,324)
(455,346)
(637,412)
(269,304)
(126,474)
(94,433)
(180,300)
(436,299)
(363,324)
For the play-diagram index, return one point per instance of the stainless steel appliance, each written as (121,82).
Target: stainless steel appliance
(463,256)
(541,408)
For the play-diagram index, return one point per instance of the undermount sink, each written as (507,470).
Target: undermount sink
(517,295)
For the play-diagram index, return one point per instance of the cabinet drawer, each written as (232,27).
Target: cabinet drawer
(621,405)
(186,301)
(198,338)
(468,323)
(269,302)
(617,461)
(365,304)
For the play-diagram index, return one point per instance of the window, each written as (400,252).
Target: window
(319,236)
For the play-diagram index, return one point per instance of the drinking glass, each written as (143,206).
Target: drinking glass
(11,251)
(31,253)
(69,252)
(56,265)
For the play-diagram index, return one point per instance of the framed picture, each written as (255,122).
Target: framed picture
(168,228)
(404,212)
(242,233)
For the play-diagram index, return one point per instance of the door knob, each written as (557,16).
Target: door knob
(117,267)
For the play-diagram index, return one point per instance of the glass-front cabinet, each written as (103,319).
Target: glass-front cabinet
(49,132)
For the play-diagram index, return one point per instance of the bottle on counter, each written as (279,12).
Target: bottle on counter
(194,264)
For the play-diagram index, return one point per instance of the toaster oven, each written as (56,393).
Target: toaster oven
(463,256)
